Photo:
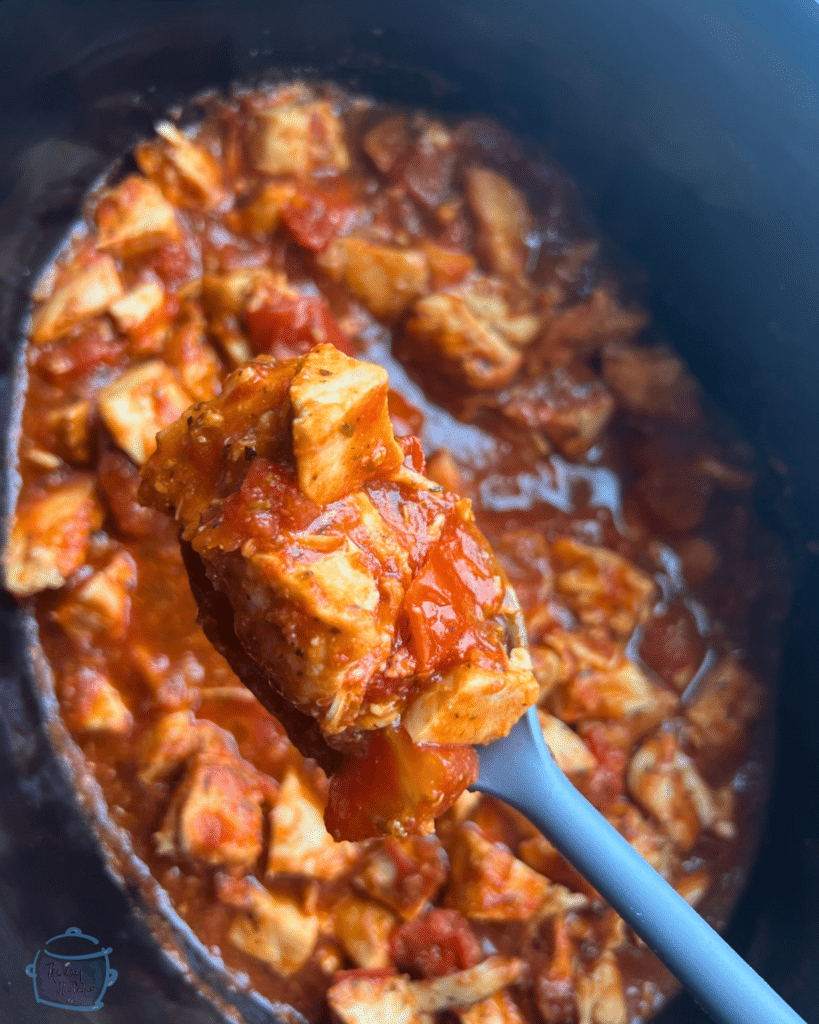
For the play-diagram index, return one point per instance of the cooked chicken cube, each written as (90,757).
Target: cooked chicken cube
(72,427)
(272,927)
(364,1000)
(489,883)
(91,703)
(405,874)
(471,333)
(188,175)
(49,536)
(174,739)
(601,587)
(134,218)
(384,278)
(569,751)
(262,214)
(726,702)
(665,782)
(318,562)
(102,604)
(600,993)
(571,411)
(187,350)
(473,705)
(463,988)
(139,308)
(364,929)
(342,434)
(417,155)
(299,842)
(503,219)
(584,327)
(497,1009)
(297,138)
(620,690)
(652,381)
(138,404)
(81,293)
(216,813)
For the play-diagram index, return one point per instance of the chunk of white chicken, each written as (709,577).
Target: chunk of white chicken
(503,219)
(464,988)
(174,739)
(138,404)
(272,927)
(364,928)
(472,704)
(601,587)
(72,428)
(471,333)
(600,993)
(188,175)
(384,278)
(342,433)
(139,307)
(102,604)
(363,1000)
(571,754)
(500,1008)
(488,883)
(50,535)
(82,292)
(262,214)
(297,137)
(216,813)
(726,702)
(651,380)
(135,218)
(665,782)
(299,842)
(91,702)
(405,874)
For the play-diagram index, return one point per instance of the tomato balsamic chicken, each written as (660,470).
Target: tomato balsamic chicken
(298,224)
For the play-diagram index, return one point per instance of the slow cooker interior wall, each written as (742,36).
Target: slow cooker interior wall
(691,141)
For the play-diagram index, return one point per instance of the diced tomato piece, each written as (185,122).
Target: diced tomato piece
(406,419)
(439,943)
(81,353)
(397,782)
(268,503)
(285,326)
(315,216)
(449,601)
(413,452)
(608,780)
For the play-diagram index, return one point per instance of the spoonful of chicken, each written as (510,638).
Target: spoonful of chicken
(362,606)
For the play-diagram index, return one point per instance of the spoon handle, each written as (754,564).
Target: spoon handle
(718,978)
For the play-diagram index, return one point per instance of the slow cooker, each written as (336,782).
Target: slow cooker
(692,131)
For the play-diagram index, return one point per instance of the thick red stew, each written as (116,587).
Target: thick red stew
(616,501)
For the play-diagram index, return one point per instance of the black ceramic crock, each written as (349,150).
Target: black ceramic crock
(693,132)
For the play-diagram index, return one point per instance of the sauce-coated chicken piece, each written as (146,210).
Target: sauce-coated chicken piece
(362,590)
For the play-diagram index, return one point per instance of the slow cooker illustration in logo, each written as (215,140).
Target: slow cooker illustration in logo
(70,973)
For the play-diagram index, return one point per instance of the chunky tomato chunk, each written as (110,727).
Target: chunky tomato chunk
(436,944)
(317,215)
(445,624)
(397,782)
(286,326)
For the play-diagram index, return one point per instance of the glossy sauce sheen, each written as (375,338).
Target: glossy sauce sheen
(644,490)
